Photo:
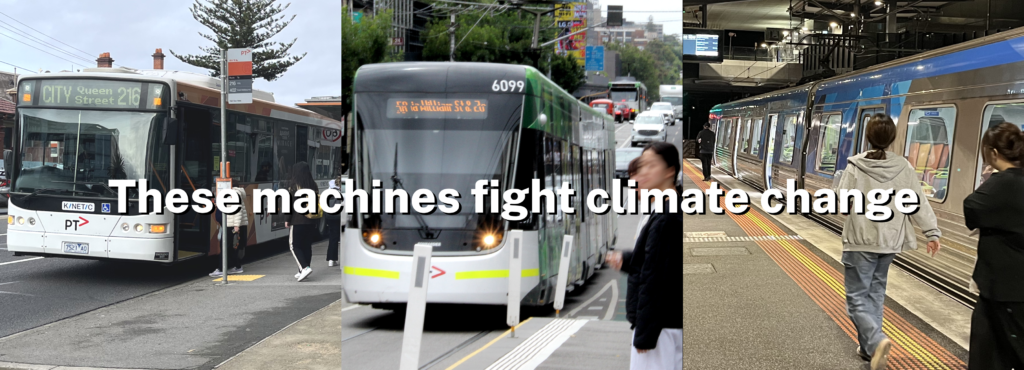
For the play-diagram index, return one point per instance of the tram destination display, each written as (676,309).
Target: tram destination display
(87,93)
(437,108)
(702,45)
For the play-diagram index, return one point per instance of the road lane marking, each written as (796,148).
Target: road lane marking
(610,284)
(24,260)
(495,340)
(615,298)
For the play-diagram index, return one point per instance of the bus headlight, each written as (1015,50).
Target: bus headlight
(125,227)
(21,220)
(32,221)
(158,228)
(138,228)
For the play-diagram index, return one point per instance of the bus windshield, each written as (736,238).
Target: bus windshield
(674,100)
(627,95)
(435,142)
(78,151)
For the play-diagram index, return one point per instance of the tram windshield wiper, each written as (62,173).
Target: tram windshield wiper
(425,231)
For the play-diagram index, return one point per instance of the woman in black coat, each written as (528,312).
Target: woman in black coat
(997,325)
(654,294)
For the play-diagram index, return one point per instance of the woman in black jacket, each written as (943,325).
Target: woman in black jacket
(654,295)
(301,229)
(997,325)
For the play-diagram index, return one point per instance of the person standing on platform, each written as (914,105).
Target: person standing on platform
(997,325)
(706,139)
(301,229)
(869,247)
(237,225)
(333,226)
(654,299)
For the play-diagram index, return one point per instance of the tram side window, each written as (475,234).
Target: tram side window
(828,143)
(745,138)
(929,143)
(996,114)
(755,137)
(788,140)
(264,151)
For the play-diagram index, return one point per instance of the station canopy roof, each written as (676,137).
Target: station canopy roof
(329,106)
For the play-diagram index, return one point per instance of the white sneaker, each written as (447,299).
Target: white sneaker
(216,273)
(330,263)
(305,273)
(235,271)
(881,355)
(297,274)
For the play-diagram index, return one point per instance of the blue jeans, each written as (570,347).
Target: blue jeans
(866,276)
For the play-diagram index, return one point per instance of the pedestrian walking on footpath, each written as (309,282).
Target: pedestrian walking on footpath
(302,227)
(997,325)
(237,225)
(333,227)
(654,302)
(706,139)
(869,247)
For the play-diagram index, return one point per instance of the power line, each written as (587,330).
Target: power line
(35,39)
(41,33)
(17,66)
(55,55)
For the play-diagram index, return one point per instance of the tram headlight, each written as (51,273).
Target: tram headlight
(375,238)
(125,227)
(489,240)
(138,228)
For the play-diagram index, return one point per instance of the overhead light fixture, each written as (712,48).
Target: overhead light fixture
(763,45)
(785,33)
(834,24)
(878,3)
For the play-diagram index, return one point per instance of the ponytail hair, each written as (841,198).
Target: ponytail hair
(880,133)
(1007,139)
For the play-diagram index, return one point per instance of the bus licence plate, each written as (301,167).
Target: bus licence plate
(79,248)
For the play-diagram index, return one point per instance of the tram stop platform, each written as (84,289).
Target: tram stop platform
(766,292)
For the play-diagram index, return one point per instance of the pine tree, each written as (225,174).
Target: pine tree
(244,24)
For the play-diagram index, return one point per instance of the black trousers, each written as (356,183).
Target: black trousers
(997,335)
(233,253)
(333,238)
(300,239)
(705,161)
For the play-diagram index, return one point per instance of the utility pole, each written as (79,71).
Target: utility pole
(451,39)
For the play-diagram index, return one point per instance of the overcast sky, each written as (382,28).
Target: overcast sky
(667,12)
(132,30)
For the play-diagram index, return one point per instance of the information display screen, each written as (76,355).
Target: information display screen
(88,93)
(701,45)
(437,108)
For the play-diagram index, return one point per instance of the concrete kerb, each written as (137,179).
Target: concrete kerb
(17,366)
(338,302)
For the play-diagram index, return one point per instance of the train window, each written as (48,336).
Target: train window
(788,140)
(996,114)
(745,138)
(756,137)
(828,142)
(865,116)
(725,132)
(929,143)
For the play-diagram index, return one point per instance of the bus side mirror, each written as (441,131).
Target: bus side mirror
(170,134)
(8,163)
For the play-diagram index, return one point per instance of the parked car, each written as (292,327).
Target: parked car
(622,158)
(603,104)
(665,109)
(649,127)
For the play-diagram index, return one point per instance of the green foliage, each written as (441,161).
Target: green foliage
(659,63)
(567,73)
(244,24)
(362,43)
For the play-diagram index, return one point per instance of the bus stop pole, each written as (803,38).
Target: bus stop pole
(223,157)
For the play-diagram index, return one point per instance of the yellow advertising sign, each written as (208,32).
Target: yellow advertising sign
(572,17)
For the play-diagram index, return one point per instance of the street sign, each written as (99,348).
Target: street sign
(357,17)
(595,58)
(240,76)
(396,41)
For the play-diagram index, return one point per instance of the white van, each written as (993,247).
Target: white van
(673,94)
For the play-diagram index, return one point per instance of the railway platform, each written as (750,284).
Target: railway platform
(766,292)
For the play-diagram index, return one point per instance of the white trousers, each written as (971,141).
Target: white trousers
(666,355)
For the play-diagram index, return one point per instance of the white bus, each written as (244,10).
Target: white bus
(673,94)
(76,131)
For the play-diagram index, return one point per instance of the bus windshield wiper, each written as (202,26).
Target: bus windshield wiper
(397,183)
(40,191)
(102,185)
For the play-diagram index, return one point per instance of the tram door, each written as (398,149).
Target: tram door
(735,145)
(195,171)
(769,153)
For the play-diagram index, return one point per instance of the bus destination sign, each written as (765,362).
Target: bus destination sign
(437,108)
(97,94)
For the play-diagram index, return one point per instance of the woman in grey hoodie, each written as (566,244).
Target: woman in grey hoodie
(870,246)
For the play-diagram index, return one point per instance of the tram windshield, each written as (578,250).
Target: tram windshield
(624,95)
(435,142)
(76,152)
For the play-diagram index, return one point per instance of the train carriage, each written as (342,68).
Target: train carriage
(938,99)
(446,126)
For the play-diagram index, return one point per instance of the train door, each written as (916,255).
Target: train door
(194,173)
(769,152)
(735,145)
(862,128)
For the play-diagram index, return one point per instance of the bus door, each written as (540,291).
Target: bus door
(195,171)
(769,152)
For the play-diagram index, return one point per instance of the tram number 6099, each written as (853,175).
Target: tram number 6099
(508,85)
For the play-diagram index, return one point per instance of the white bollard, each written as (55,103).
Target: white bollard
(563,273)
(515,266)
(416,307)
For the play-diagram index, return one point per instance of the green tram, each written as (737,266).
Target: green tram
(446,126)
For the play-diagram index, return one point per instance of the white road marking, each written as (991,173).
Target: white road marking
(594,308)
(602,299)
(24,260)
(611,283)
(615,297)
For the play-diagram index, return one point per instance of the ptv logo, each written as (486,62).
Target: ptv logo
(76,223)
(435,272)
